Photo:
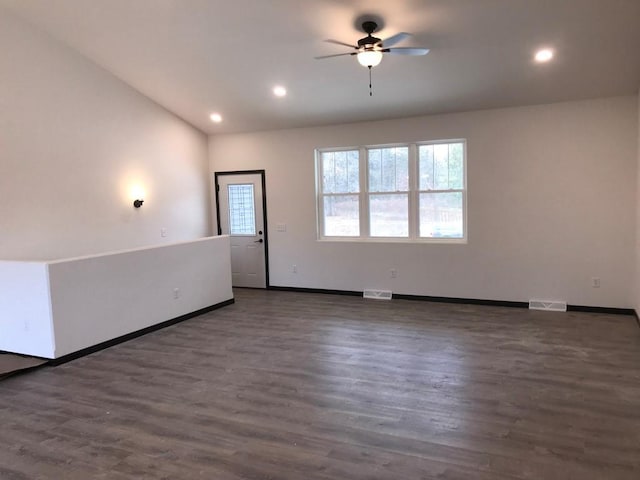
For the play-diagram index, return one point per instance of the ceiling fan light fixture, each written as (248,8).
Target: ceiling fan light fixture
(369,58)
(543,55)
(279,91)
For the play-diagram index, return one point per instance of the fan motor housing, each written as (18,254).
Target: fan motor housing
(369,41)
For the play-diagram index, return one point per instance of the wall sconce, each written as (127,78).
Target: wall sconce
(137,194)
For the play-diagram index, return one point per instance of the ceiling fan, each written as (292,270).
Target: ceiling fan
(370,49)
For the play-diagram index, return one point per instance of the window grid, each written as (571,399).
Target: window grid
(242,216)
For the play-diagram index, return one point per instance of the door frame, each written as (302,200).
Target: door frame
(264,210)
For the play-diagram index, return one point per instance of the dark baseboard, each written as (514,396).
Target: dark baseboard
(398,296)
(609,310)
(506,303)
(137,333)
(635,313)
(350,293)
(467,301)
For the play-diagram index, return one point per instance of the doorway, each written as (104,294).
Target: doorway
(241,211)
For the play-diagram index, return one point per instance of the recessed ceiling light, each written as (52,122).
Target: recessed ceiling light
(544,55)
(215,117)
(279,91)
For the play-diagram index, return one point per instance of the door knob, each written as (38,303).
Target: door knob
(259,241)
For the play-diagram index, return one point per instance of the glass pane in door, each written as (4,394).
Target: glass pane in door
(242,215)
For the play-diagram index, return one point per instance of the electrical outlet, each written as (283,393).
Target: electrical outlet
(294,268)
(176,293)
(394,273)
(163,232)
(595,282)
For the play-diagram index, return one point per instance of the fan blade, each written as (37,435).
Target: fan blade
(334,55)
(338,42)
(406,51)
(397,38)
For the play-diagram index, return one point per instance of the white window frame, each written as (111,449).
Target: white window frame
(320,195)
(364,163)
(413,195)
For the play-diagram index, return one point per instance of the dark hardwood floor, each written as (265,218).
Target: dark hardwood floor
(285,385)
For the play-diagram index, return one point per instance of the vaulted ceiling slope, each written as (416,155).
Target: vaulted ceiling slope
(195,57)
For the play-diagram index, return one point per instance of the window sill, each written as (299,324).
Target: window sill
(413,241)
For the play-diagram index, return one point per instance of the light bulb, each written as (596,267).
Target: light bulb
(544,55)
(279,91)
(369,58)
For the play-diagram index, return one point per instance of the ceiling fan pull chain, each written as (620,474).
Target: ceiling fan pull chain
(370,92)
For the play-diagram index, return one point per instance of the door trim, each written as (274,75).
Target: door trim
(264,210)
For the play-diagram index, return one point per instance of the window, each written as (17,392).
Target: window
(242,217)
(340,193)
(412,192)
(388,173)
(441,190)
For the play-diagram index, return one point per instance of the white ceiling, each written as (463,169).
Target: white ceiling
(195,57)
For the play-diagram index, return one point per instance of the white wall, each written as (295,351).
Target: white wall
(74,140)
(97,298)
(26,325)
(51,309)
(552,192)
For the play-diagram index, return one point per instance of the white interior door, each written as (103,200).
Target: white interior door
(241,216)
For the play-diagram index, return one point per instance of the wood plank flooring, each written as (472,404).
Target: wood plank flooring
(286,385)
(11,363)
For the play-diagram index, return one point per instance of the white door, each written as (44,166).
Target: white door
(241,216)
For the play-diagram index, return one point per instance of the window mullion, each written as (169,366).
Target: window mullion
(363,164)
(414,212)
(320,195)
